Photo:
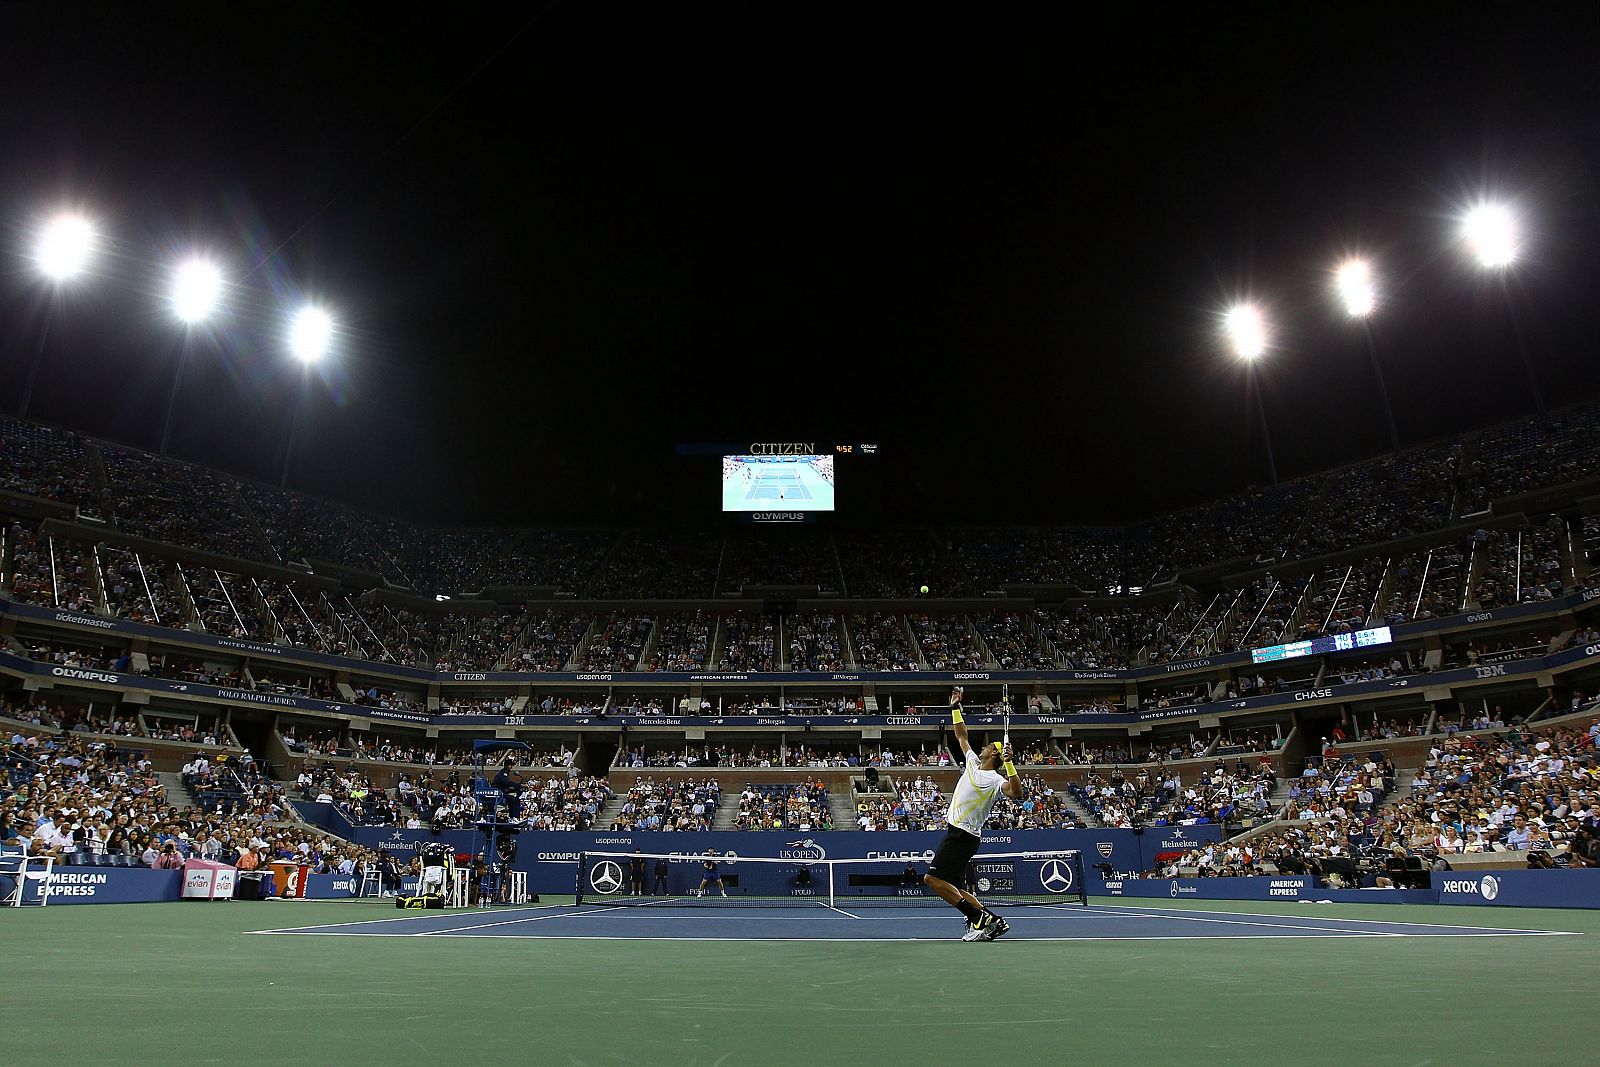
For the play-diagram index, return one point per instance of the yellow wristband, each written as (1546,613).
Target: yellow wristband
(955,717)
(1011,769)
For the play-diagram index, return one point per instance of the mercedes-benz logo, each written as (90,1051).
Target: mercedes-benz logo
(605,877)
(1056,876)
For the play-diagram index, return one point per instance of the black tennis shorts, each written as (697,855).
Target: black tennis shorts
(955,852)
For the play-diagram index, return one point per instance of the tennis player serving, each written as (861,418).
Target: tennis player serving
(987,774)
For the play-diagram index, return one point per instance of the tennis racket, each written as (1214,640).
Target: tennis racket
(1005,715)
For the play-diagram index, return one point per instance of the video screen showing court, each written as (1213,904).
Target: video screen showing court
(777,483)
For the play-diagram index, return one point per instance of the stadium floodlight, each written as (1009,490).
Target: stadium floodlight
(310,333)
(1246,331)
(1353,280)
(1490,231)
(196,289)
(65,245)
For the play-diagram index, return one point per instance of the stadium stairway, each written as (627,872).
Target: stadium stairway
(727,816)
(608,814)
(843,806)
(178,794)
(1080,813)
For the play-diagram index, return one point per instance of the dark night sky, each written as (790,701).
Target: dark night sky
(996,246)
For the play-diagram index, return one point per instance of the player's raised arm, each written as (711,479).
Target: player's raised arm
(1013,783)
(958,721)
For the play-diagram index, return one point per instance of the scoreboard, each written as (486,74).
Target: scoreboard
(1319,646)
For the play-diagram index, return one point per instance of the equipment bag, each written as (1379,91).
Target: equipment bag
(427,900)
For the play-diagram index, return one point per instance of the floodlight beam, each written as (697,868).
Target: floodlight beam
(310,334)
(65,246)
(1491,233)
(196,290)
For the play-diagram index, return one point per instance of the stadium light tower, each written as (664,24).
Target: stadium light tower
(1358,294)
(1490,231)
(1493,236)
(65,246)
(310,337)
(196,290)
(196,294)
(1247,334)
(310,334)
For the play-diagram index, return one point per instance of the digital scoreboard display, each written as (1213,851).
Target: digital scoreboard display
(1319,646)
(777,483)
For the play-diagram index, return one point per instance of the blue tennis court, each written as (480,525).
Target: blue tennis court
(811,923)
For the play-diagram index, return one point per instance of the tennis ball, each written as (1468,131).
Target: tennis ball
(924,590)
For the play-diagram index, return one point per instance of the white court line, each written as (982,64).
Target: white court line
(936,940)
(511,922)
(398,918)
(1151,911)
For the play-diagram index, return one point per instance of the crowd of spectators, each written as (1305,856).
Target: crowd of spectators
(46,462)
(1084,638)
(615,642)
(748,643)
(682,642)
(814,642)
(1516,791)
(947,642)
(1533,453)
(1394,496)
(801,807)
(666,565)
(1383,499)
(84,800)
(882,643)
(775,555)
(669,804)
(549,641)
(1157,795)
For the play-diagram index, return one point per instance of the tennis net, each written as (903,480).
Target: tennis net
(690,879)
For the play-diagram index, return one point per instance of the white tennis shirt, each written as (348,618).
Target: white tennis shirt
(974,797)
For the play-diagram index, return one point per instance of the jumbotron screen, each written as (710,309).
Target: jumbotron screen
(777,483)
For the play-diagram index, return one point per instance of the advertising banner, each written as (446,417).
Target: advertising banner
(1520,889)
(204,880)
(108,885)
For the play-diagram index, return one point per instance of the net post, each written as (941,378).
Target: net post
(577,889)
(1083,883)
(833,901)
